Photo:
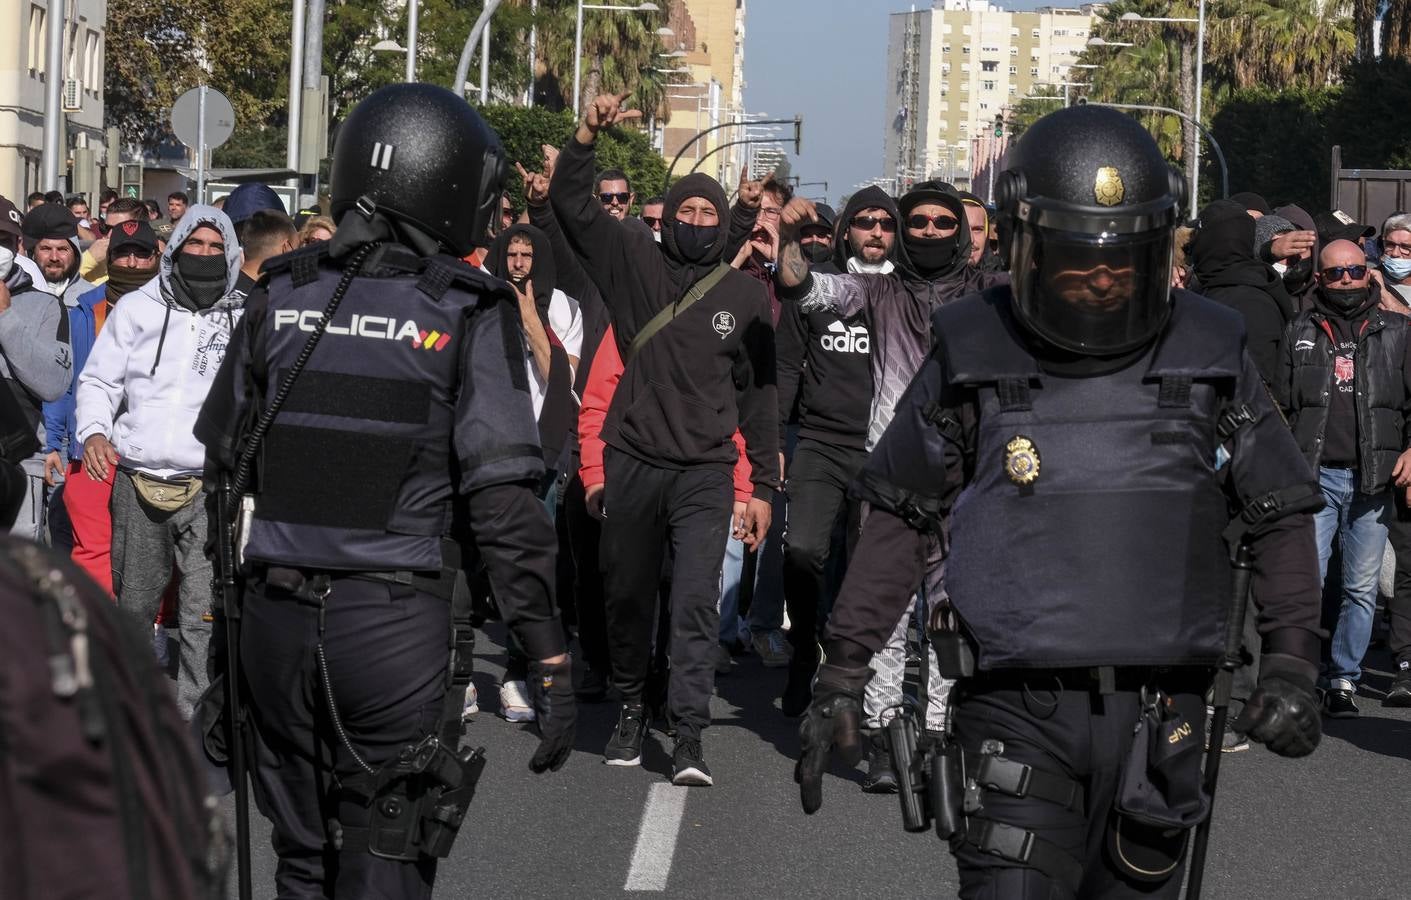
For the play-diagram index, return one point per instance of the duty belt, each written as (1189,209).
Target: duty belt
(298,581)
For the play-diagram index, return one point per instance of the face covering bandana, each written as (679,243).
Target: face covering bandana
(817,253)
(7,262)
(1394,268)
(931,256)
(1346,302)
(198,281)
(1297,275)
(694,241)
(122,280)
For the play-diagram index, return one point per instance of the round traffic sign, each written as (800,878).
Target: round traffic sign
(186,114)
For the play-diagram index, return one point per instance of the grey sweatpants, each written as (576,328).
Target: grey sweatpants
(146,543)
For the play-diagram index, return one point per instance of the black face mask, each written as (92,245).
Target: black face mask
(1346,302)
(198,282)
(693,242)
(1297,275)
(817,253)
(932,256)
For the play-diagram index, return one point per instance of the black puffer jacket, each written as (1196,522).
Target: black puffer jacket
(1381,378)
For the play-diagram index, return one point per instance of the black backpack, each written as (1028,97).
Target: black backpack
(100,791)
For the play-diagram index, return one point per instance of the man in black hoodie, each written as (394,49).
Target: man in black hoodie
(932,267)
(1228,273)
(705,368)
(823,363)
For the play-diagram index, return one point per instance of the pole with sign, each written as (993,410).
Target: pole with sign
(202,119)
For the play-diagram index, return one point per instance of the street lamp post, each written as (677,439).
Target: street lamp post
(578,40)
(1199,22)
(413,12)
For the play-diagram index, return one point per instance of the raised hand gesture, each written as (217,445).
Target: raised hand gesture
(605,110)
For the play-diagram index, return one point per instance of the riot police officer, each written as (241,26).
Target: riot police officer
(384,381)
(1089,440)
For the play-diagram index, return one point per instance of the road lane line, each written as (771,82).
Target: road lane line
(656,838)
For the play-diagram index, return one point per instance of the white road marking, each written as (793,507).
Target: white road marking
(656,838)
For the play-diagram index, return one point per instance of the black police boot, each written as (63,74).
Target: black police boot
(880,777)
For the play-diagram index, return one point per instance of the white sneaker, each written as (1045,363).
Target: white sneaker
(472,702)
(514,702)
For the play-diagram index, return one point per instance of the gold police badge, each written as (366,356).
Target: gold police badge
(1021,460)
(1107,188)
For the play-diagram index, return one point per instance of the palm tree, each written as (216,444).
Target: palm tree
(1396,29)
(619,52)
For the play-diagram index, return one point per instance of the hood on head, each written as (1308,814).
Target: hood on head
(867,198)
(697,184)
(1303,222)
(1224,239)
(195,217)
(542,273)
(932,192)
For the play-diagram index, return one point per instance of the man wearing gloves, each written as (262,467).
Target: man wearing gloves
(146,378)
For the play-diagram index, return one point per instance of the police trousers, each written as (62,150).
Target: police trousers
(1064,727)
(386,646)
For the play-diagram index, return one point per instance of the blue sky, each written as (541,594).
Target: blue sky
(826,60)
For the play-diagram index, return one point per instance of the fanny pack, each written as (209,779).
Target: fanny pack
(166,494)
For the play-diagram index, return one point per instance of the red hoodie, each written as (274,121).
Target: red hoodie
(597,397)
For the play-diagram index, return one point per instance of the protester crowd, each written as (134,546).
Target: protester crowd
(699,475)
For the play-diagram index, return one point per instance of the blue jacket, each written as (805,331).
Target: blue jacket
(60,422)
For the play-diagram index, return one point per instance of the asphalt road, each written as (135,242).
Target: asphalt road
(1330,826)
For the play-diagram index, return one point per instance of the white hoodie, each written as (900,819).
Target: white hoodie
(162,394)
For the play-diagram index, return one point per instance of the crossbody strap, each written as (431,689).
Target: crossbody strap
(671,311)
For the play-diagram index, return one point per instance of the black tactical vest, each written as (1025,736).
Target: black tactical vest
(359,468)
(1090,531)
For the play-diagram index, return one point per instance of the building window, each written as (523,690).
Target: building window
(989,66)
(1014,70)
(1060,32)
(1033,57)
(946,48)
(965,50)
(90,62)
(984,105)
(36,39)
(1033,71)
(1014,32)
(990,49)
(1034,34)
(988,85)
(1013,51)
(1013,90)
(964,126)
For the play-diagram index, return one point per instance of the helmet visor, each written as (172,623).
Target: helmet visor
(1095,294)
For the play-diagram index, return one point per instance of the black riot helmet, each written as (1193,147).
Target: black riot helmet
(1087,215)
(419,154)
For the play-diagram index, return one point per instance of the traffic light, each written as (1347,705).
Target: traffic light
(999,125)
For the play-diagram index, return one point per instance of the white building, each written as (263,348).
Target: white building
(23,74)
(952,68)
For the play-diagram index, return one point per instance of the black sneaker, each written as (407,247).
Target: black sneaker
(1234,742)
(1399,694)
(688,764)
(880,779)
(1338,702)
(625,746)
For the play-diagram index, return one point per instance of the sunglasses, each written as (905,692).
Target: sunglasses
(653,221)
(942,222)
(143,255)
(867,223)
(621,197)
(1335,273)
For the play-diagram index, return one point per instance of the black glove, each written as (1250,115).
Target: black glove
(551,689)
(833,719)
(1282,713)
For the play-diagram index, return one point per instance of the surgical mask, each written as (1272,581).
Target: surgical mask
(1393,267)
(694,241)
(817,253)
(7,262)
(198,281)
(931,256)
(1346,302)
(656,235)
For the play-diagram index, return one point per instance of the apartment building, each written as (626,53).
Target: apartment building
(23,72)
(953,68)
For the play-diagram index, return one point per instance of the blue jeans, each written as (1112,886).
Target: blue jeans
(1359,520)
(731,572)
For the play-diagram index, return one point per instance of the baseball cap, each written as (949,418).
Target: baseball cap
(1338,225)
(49,221)
(10,217)
(134,233)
